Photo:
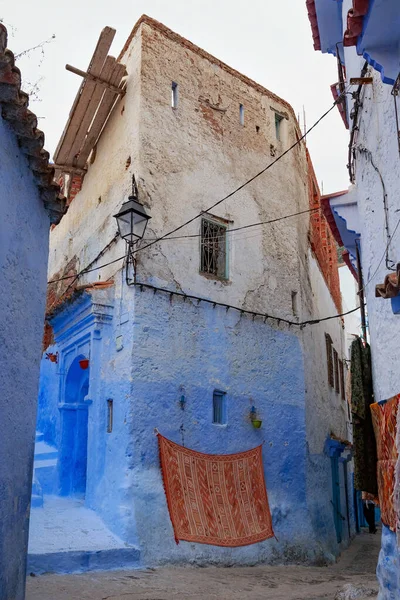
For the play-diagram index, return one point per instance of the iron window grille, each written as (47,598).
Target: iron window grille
(219,408)
(213,248)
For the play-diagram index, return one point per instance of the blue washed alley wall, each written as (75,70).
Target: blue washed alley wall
(388,567)
(164,347)
(24,227)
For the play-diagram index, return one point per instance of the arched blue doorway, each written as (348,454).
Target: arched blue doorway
(74,431)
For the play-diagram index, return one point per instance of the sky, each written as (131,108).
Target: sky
(268,40)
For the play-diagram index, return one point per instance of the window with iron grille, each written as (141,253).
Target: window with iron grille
(213,248)
(336,365)
(342,384)
(329,359)
(219,408)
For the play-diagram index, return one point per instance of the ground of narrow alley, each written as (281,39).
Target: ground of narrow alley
(352,577)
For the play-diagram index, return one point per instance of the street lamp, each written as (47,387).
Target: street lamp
(132,220)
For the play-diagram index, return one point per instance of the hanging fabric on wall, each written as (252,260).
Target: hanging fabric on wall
(215,499)
(384,417)
(364,444)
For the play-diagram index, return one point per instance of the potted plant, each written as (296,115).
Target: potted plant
(84,363)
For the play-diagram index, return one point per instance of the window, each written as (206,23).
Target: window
(329,359)
(336,366)
(109,416)
(219,408)
(213,248)
(174,95)
(294,304)
(241,114)
(342,384)
(278,126)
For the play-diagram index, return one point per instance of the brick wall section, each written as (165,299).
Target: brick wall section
(74,187)
(322,241)
(57,293)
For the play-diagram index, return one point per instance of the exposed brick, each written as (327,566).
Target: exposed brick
(322,241)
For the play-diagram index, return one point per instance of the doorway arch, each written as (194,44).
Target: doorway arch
(74,431)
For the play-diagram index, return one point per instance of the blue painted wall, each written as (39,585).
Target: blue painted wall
(388,567)
(144,358)
(24,228)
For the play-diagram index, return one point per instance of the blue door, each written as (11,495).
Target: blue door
(336,502)
(74,432)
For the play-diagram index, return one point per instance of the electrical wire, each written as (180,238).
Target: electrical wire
(227,307)
(381,260)
(195,235)
(243,185)
(228,231)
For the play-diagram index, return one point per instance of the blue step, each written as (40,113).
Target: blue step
(81,561)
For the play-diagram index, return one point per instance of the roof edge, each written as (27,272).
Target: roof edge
(14,110)
(144,19)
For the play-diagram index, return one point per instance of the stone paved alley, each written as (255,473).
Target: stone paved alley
(355,568)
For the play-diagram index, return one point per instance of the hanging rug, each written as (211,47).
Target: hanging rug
(384,418)
(215,499)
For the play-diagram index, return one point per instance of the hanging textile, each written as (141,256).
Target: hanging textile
(384,418)
(215,499)
(363,432)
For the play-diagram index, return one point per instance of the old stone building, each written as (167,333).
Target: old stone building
(191,130)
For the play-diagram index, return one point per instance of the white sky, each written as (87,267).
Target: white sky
(267,40)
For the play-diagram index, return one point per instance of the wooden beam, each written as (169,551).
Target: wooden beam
(85,112)
(84,95)
(101,117)
(98,80)
(69,169)
(361,80)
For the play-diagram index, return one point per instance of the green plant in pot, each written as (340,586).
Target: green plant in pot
(253,418)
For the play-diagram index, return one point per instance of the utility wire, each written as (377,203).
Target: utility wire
(227,307)
(243,185)
(87,269)
(195,235)
(383,256)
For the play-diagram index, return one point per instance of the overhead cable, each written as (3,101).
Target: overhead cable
(243,185)
(243,311)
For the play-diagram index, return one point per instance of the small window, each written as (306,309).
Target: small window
(342,384)
(295,309)
(336,367)
(213,249)
(241,114)
(219,408)
(174,95)
(329,359)
(278,126)
(109,416)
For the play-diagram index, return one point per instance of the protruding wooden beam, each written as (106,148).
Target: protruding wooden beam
(96,79)
(361,80)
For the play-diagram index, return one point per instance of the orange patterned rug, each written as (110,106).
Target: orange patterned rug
(384,417)
(215,499)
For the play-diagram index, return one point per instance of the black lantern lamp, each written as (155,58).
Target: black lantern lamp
(132,220)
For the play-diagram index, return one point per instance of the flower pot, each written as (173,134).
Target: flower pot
(84,363)
(256,423)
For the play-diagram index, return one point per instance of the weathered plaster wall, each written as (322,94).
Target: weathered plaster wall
(24,228)
(326,412)
(184,160)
